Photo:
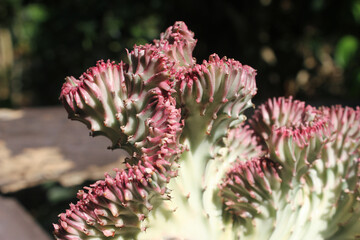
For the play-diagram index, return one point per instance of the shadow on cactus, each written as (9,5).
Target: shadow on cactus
(195,169)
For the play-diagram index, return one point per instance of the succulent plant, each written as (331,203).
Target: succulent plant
(307,187)
(195,169)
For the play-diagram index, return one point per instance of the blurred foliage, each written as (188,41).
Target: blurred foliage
(308,48)
(345,50)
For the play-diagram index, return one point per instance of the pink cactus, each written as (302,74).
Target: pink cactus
(314,174)
(129,104)
(178,43)
(114,206)
(196,170)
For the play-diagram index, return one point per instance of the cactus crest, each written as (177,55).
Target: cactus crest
(195,168)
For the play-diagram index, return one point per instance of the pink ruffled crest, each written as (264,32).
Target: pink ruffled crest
(135,110)
(218,89)
(233,68)
(345,121)
(116,206)
(242,142)
(75,92)
(163,140)
(178,31)
(303,133)
(116,91)
(178,43)
(217,78)
(344,124)
(152,65)
(285,115)
(293,134)
(246,184)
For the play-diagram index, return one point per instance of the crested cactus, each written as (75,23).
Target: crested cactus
(195,169)
(308,185)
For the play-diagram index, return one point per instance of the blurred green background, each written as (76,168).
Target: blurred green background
(309,49)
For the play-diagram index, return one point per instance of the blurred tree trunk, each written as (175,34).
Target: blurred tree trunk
(6,63)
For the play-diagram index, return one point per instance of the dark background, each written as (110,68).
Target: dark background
(308,49)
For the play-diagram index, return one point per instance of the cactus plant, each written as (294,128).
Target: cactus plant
(195,169)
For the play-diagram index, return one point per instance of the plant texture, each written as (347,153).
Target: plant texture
(195,169)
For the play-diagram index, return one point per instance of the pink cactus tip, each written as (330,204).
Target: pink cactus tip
(129,104)
(219,90)
(178,43)
(247,184)
(114,207)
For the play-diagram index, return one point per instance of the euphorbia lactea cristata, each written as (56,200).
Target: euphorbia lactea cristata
(195,170)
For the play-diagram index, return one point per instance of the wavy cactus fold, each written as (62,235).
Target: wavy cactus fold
(196,169)
(248,193)
(319,178)
(178,43)
(115,207)
(214,95)
(130,104)
(345,124)
(343,159)
(241,143)
(280,112)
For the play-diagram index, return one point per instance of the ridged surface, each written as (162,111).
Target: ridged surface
(178,43)
(129,104)
(115,208)
(314,163)
(292,173)
(214,95)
